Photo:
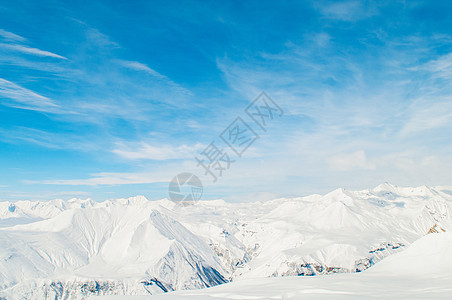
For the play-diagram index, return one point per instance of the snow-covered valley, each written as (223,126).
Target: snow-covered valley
(79,248)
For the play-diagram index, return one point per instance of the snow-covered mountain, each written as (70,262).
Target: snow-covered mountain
(422,271)
(78,248)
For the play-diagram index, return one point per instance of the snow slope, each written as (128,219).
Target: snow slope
(422,271)
(78,248)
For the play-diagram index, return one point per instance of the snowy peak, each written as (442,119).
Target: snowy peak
(385,187)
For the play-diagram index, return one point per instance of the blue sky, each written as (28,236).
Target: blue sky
(108,99)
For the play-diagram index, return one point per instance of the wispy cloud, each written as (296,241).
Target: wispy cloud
(157,152)
(352,10)
(364,86)
(353,121)
(98,38)
(108,179)
(440,67)
(46,139)
(43,195)
(29,50)
(134,65)
(431,106)
(137,66)
(425,115)
(351,161)
(11,36)
(21,97)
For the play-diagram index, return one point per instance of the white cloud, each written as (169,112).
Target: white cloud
(44,195)
(431,161)
(11,36)
(322,39)
(161,152)
(347,11)
(441,67)
(52,140)
(108,179)
(29,50)
(364,111)
(142,67)
(24,98)
(427,115)
(137,66)
(98,38)
(351,161)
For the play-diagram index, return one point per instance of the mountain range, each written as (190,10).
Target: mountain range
(78,248)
